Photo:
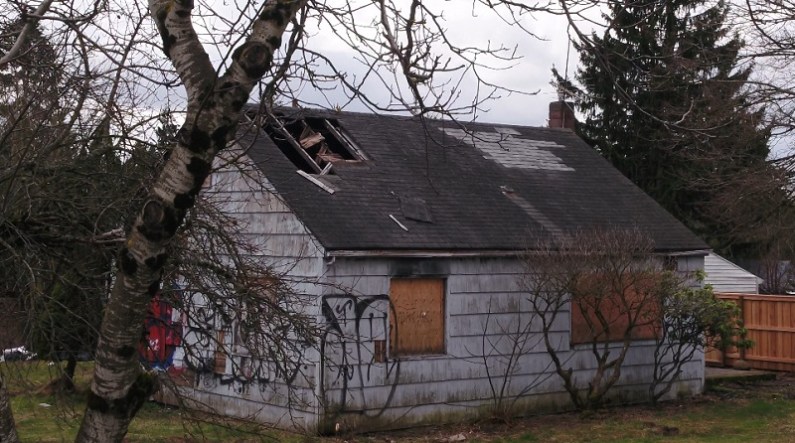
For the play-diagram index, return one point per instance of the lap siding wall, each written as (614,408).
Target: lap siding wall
(484,305)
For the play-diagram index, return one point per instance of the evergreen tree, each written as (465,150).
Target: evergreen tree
(665,101)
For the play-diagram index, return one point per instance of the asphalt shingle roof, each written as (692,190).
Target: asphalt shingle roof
(488,187)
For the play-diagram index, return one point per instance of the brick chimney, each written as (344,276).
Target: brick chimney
(561,114)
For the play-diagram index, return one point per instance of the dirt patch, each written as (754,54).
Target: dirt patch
(782,387)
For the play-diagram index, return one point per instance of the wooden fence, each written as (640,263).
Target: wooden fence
(770,320)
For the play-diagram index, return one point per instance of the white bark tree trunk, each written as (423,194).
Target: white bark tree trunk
(119,386)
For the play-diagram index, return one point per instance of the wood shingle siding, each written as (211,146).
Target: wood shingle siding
(484,308)
(283,394)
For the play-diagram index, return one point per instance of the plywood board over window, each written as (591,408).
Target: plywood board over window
(604,310)
(416,320)
(219,365)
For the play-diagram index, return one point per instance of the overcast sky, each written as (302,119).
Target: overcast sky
(530,73)
(533,72)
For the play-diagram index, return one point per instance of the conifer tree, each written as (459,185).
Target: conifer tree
(664,95)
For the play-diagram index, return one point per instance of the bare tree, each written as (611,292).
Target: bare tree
(611,284)
(505,339)
(8,430)
(219,56)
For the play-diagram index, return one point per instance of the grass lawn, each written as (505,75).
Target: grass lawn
(758,412)
(762,411)
(42,416)
(741,421)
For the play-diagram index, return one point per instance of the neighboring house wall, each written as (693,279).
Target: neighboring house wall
(725,276)
(366,386)
(236,385)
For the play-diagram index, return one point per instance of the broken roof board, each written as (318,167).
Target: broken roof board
(568,185)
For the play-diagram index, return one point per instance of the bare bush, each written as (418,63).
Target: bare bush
(611,284)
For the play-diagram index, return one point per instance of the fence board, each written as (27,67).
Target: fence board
(769,320)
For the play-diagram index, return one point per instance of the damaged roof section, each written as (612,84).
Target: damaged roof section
(548,225)
(506,147)
(313,144)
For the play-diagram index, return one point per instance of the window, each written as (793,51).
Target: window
(313,144)
(416,320)
(604,310)
(671,263)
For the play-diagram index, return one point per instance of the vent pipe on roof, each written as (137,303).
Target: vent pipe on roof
(561,114)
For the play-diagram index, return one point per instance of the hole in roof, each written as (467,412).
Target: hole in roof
(313,144)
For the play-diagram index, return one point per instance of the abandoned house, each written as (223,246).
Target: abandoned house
(402,238)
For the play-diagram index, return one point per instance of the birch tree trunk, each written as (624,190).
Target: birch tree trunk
(8,431)
(119,386)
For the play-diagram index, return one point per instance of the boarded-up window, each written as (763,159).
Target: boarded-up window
(416,320)
(219,363)
(603,310)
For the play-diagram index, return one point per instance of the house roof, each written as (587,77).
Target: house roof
(432,185)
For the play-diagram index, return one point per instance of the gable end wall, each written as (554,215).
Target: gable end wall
(284,244)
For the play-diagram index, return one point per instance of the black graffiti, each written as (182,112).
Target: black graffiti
(349,358)
(208,335)
(344,353)
(245,372)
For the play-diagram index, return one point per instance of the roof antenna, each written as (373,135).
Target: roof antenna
(563,93)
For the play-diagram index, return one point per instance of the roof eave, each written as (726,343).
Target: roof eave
(431,253)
